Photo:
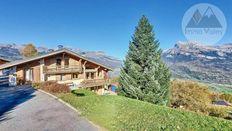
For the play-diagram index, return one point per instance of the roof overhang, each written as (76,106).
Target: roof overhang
(4,59)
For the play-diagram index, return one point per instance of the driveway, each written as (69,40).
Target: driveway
(25,109)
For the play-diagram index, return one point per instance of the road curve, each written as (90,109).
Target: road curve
(25,109)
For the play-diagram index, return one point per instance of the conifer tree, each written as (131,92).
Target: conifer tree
(144,75)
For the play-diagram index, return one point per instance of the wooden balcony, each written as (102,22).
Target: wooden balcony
(93,83)
(62,69)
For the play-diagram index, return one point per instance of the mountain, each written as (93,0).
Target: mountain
(191,60)
(10,51)
(101,57)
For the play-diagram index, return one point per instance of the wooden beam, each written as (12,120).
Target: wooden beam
(97,74)
(84,69)
(63,55)
(62,62)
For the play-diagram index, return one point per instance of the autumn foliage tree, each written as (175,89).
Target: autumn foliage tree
(29,50)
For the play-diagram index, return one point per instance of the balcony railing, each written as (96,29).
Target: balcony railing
(62,69)
(93,82)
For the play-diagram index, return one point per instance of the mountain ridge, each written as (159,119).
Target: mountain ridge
(208,63)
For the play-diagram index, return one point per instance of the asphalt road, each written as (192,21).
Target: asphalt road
(24,109)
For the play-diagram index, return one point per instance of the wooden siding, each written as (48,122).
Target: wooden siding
(20,72)
(51,67)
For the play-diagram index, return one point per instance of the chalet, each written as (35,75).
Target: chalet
(63,66)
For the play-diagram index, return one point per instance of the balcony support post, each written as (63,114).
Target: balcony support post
(79,61)
(96,73)
(63,63)
(84,69)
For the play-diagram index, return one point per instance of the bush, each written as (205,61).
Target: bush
(190,95)
(196,97)
(36,85)
(227,97)
(218,111)
(54,87)
(114,80)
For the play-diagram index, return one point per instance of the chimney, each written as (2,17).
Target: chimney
(60,47)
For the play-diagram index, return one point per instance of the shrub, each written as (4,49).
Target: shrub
(114,80)
(227,97)
(196,97)
(215,96)
(191,95)
(54,87)
(36,85)
(218,111)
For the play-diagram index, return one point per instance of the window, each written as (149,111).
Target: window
(92,75)
(62,77)
(58,62)
(29,74)
(74,76)
(66,62)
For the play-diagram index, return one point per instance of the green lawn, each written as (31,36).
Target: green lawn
(120,113)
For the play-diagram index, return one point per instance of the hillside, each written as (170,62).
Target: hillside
(200,62)
(10,51)
(121,113)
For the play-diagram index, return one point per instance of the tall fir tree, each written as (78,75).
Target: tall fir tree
(144,75)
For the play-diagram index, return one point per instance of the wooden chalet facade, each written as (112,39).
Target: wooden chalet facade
(63,66)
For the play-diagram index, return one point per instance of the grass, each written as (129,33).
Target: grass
(120,113)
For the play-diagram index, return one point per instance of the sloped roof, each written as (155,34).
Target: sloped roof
(1,58)
(64,50)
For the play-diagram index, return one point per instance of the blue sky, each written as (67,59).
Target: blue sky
(97,25)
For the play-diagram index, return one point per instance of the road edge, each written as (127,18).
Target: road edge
(71,107)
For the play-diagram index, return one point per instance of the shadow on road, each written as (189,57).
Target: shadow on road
(10,97)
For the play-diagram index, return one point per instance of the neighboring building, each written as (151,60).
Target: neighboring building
(222,103)
(63,66)
(3,60)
